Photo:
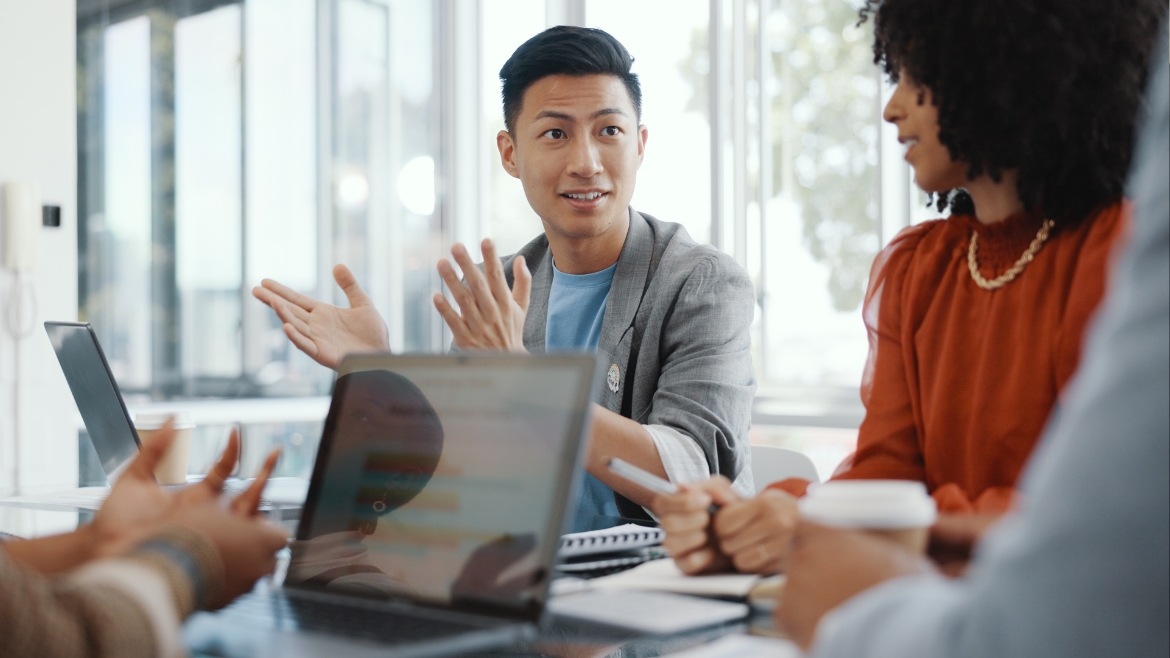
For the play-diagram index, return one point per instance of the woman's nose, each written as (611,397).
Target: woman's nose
(892,112)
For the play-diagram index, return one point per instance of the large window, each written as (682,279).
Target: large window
(226,142)
(222,142)
(672,66)
(506,24)
(824,223)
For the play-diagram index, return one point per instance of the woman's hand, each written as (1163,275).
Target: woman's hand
(828,566)
(756,533)
(752,535)
(136,505)
(490,317)
(686,519)
(323,331)
(953,538)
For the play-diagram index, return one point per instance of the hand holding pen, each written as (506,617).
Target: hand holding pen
(686,514)
(710,528)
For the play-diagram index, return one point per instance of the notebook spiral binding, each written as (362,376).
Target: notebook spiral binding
(608,541)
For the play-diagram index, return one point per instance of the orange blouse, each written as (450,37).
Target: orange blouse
(960,381)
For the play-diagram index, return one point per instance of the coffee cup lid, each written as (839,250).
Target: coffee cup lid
(878,504)
(154,421)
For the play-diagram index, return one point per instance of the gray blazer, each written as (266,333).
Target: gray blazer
(674,340)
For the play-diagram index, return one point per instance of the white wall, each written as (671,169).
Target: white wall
(38,140)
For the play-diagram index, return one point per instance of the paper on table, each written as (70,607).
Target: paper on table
(738,645)
(664,576)
(647,612)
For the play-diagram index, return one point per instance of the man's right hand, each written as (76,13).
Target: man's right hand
(323,331)
(684,516)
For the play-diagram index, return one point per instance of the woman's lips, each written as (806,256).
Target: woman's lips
(909,145)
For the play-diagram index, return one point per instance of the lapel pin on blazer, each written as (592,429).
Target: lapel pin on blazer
(613,377)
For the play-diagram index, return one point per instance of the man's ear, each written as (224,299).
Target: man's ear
(507,153)
(643,135)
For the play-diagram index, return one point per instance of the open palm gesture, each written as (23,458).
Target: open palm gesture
(136,505)
(491,316)
(323,331)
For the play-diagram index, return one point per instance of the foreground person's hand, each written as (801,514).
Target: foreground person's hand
(323,331)
(756,532)
(136,505)
(684,516)
(490,317)
(828,566)
(247,545)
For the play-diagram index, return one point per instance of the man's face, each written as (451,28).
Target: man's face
(576,147)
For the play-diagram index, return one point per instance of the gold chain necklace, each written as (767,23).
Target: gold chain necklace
(1007,277)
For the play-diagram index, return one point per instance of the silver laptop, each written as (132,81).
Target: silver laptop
(96,393)
(110,429)
(438,498)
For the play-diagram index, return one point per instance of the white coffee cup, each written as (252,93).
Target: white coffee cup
(172,468)
(900,510)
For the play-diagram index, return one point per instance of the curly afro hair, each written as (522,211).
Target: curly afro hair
(1051,88)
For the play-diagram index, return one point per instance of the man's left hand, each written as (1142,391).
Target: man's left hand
(827,566)
(490,317)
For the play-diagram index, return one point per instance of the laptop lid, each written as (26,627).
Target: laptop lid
(445,480)
(96,393)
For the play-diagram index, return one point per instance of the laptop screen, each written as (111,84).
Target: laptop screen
(444,479)
(96,393)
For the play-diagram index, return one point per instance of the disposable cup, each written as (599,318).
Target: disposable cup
(899,510)
(172,468)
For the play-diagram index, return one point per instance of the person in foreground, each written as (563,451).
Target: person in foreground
(121,585)
(669,318)
(1019,116)
(1083,568)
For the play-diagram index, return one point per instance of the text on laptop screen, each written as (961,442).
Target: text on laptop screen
(437,481)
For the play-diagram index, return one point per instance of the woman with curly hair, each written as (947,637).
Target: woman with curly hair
(1019,116)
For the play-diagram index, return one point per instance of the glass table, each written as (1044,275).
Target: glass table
(560,638)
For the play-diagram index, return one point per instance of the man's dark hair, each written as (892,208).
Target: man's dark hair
(1049,87)
(566,50)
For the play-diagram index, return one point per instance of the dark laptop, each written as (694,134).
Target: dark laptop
(96,393)
(108,423)
(438,498)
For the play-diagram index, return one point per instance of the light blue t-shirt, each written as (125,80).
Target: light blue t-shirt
(576,308)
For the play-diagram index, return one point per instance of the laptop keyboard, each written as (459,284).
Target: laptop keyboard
(385,625)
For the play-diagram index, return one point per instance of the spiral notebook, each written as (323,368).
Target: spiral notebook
(611,540)
(600,552)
